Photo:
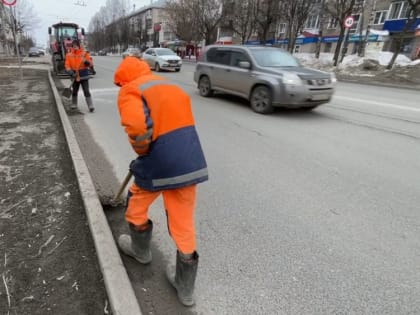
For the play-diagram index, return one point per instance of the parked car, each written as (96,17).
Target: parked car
(162,59)
(35,52)
(131,51)
(41,51)
(102,53)
(266,76)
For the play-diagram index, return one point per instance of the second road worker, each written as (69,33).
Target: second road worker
(78,63)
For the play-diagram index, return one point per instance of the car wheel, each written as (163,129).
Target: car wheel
(261,100)
(177,70)
(157,67)
(204,86)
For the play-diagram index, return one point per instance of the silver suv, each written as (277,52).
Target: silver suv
(266,76)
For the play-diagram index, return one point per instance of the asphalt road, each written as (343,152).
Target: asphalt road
(305,212)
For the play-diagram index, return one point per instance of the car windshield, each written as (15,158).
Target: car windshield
(164,52)
(33,49)
(274,58)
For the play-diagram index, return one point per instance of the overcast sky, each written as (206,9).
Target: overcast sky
(54,11)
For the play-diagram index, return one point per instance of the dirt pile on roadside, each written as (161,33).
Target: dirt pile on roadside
(409,74)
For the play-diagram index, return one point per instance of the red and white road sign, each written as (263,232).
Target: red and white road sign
(9,2)
(348,22)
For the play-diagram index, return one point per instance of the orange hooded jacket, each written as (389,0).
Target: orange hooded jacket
(75,61)
(159,122)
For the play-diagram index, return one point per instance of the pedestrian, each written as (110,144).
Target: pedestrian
(158,119)
(77,64)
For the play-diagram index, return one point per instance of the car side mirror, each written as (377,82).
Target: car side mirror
(245,64)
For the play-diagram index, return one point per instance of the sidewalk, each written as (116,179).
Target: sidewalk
(49,252)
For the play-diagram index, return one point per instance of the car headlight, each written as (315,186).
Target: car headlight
(291,79)
(333,78)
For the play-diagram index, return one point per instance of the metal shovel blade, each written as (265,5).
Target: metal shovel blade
(67,92)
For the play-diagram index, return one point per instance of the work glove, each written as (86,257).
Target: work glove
(86,63)
(70,73)
(93,70)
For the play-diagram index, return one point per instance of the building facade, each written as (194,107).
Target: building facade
(150,25)
(377,26)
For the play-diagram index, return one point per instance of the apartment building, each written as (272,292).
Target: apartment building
(395,23)
(382,20)
(150,25)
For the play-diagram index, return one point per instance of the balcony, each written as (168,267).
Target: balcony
(396,26)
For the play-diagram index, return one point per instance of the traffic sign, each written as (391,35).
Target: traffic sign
(9,2)
(348,22)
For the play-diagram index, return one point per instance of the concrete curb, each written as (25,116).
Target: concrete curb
(118,286)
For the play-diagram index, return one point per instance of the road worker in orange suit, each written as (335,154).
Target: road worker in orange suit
(77,64)
(159,122)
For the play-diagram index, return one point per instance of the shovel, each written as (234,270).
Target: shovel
(67,92)
(116,201)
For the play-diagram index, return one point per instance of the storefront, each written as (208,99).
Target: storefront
(306,43)
(410,39)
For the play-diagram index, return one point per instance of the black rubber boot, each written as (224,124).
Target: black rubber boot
(137,244)
(182,277)
(90,104)
(73,102)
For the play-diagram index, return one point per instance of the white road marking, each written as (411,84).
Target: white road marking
(389,105)
(104,90)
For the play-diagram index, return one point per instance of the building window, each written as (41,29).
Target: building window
(312,21)
(379,17)
(167,35)
(332,23)
(281,29)
(398,10)
(355,26)
(148,24)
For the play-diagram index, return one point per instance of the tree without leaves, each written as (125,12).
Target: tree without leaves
(199,21)
(266,13)
(20,18)
(181,20)
(106,27)
(241,19)
(412,14)
(211,13)
(295,13)
(340,10)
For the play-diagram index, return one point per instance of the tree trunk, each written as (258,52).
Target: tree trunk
(396,52)
(338,47)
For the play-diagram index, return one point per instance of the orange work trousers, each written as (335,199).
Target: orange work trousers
(179,204)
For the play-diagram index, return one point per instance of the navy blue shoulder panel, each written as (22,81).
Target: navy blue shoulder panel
(175,159)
